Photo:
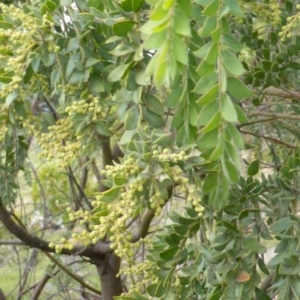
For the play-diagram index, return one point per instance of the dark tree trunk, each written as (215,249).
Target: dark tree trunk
(2,296)
(108,268)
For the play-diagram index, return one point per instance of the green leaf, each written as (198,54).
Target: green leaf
(160,73)
(208,27)
(110,195)
(281,225)
(210,182)
(261,295)
(231,171)
(76,78)
(180,51)
(205,69)
(232,153)
(156,290)
(142,79)
(126,5)
(100,128)
(274,38)
(212,54)
(154,105)
(117,73)
(218,151)
(185,7)
(4,25)
(91,61)
(169,253)
(132,118)
(253,168)
(213,123)
(227,109)
(96,86)
(210,96)
(19,107)
(232,63)
(126,137)
(277,259)
(202,52)
(206,83)
(232,43)
(136,5)
(174,98)
(235,135)
(6,77)
(158,13)
(120,50)
(155,40)
(237,88)
(193,114)
(93,3)
(154,120)
(252,244)
(28,74)
(11,97)
(241,115)
(231,227)
(211,9)
(181,230)
(235,8)
(123,27)
(207,112)
(165,140)
(182,24)
(208,140)
(73,44)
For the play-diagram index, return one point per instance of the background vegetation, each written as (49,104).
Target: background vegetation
(149,149)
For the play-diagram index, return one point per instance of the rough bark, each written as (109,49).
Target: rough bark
(108,270)
(2,296)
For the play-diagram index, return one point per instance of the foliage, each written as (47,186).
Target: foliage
(160,93)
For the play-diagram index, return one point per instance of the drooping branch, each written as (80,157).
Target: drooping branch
(255,122)
(269,139)
(281,93)
(100,249)
(274,115)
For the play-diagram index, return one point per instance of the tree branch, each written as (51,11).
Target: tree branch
(280,93)
(147,218)
(100,249)
(274,115)
(269,138)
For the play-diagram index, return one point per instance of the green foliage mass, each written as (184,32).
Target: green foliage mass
(201,99)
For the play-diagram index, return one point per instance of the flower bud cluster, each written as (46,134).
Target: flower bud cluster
(194,199)
(89,107)
(64,245)
(167,155)
(291,28)
(58,142)
(143,271)
(18,42)
(267,12)
(114,224)
(126,169)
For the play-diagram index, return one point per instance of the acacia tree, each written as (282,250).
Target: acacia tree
(160,119)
